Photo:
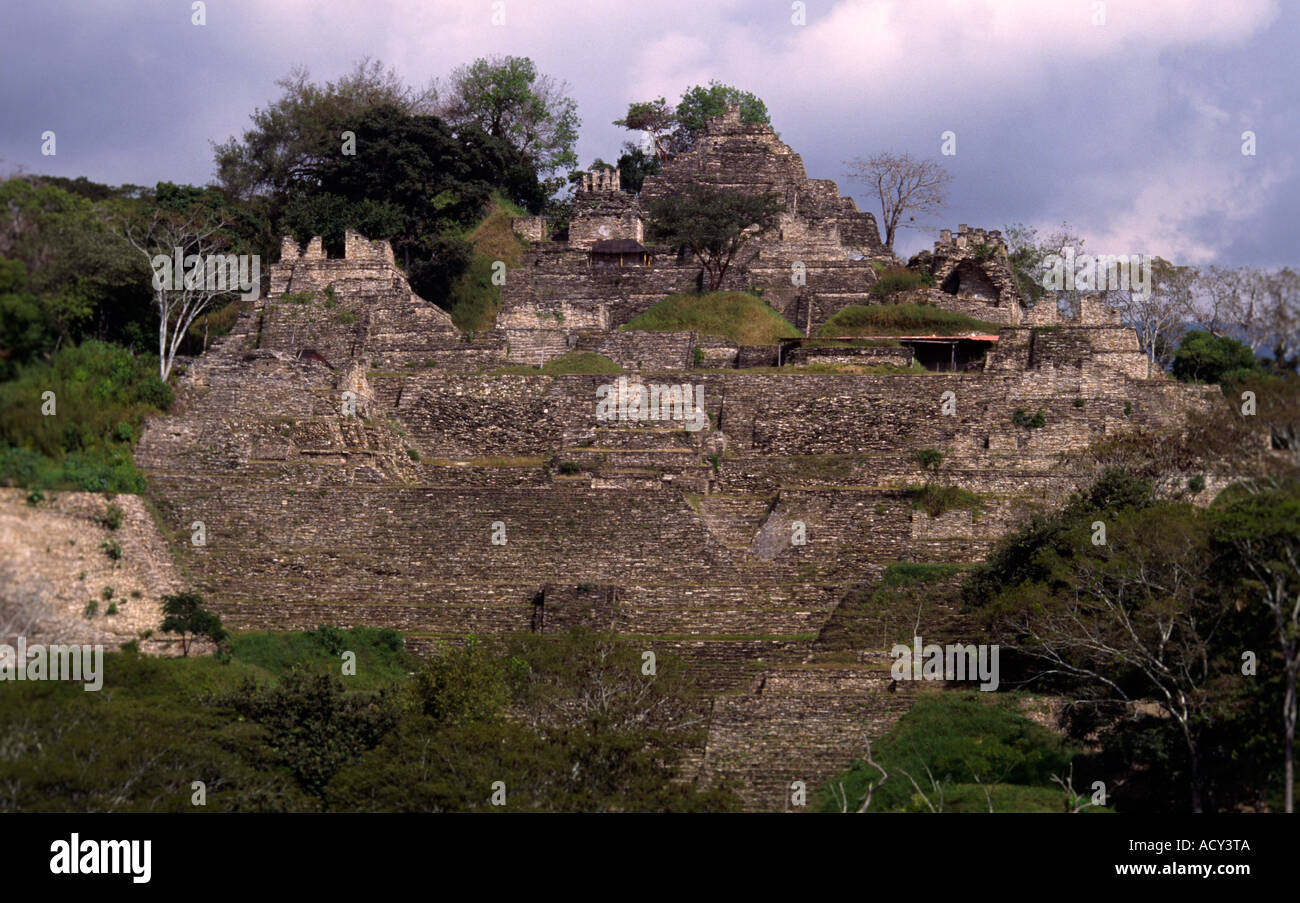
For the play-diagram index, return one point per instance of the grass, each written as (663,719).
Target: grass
(737,316)
(381,656)
(874,615)
(912,573)
(564,365)
(897,279)
(851,343)
(935,499)
(474,299)
(902,319)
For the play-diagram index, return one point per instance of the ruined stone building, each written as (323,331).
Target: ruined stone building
(349,452)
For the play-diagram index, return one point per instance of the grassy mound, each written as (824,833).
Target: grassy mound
(742,318)
(902,319)
(474,301)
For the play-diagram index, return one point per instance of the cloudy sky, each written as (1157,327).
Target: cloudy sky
(1129,128)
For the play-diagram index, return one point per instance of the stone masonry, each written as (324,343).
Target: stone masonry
(358,484)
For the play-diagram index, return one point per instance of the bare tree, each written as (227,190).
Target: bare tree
(1133,612)
(905,185)
(1281,291)
(1159,316)
(1236,303)
(1260,534)
(872,786)
(194,233)
(1033,258)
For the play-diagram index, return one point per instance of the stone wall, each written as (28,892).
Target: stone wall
(972,268)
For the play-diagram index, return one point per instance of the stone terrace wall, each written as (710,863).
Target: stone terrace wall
(683,540)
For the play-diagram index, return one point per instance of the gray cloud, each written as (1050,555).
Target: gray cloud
(1128,130)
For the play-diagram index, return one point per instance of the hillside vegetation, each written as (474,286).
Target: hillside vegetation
(740,317)
(271,724)
(81,436)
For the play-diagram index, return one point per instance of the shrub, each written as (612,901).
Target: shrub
(935,499)
(569,467)
(463,685)
(112,548)
(928,459)
(112,609)
(183,613)
(412,454)
(107,593)
(35,497)
(91,608)
(313,726)
(1029,421)
(103,393)
(113,516)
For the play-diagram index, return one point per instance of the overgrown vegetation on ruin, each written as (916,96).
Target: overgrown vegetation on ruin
(1124,594)
(473,299)
(742,318)
(902,319)
(568,363)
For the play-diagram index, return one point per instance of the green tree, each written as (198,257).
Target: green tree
(509,99)
(1205,358)
(657,119)
(700,103)
(80,272)
(314,727)
(714,225)
(303,127)
(25,331)
(1122,615)
(1257,544)
(462,684)
(183,613)
(634,165)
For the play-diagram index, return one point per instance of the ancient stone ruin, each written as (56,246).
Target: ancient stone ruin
(350,453)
